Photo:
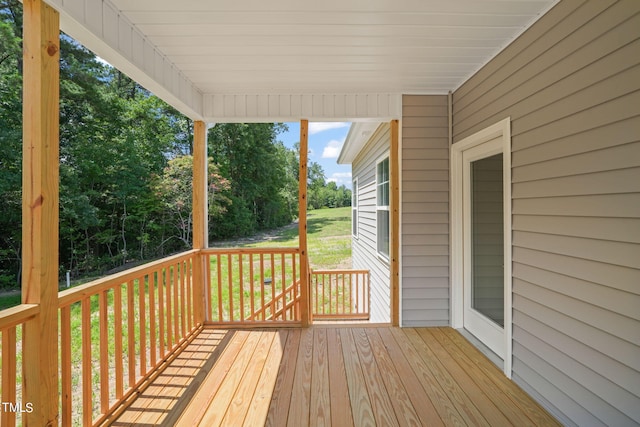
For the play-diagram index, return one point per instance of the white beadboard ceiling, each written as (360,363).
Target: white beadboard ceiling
(242,56)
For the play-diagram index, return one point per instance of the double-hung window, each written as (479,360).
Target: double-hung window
(382,206)
(354,208)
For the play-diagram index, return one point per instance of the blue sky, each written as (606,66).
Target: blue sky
(325,143)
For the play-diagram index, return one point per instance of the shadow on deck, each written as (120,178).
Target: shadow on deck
(341,376)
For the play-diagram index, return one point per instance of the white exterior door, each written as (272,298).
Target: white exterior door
(483,249)
(481,296)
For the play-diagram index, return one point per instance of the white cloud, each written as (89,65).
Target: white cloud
(341,178)
(341,175)
(322,126)
(332,149)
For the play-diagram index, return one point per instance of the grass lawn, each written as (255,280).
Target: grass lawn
(329,243)
(10,299)
(328,238)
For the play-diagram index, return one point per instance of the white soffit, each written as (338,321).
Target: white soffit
(257,59)
(358,136)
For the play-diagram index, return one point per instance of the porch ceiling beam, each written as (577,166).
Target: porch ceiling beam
(231,108)
(100,27)
(40,202)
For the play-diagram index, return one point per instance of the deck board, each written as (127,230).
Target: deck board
(259,407)
(380,399)
(398,395)
(339,393)
(320,409)
(301,389)
(454,391)
(358,395)
(223,398)
(281,399)
(338,376)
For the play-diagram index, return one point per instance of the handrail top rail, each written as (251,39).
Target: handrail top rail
(339,271)
(13,316)
(257,251)
(96,286)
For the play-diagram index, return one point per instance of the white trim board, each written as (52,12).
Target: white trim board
(501,130)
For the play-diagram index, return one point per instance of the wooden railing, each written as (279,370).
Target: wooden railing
(12,321)
(116,331)
(253,286)
(340,294)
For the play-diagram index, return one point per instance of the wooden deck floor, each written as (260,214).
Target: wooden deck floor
(338,376)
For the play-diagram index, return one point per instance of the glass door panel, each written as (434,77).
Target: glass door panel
(487,237)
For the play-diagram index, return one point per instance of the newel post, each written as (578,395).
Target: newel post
(302,224)
(200,216)
(40,201)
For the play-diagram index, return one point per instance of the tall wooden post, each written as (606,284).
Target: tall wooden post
(394,166)
(40,201)
(302,224)
(200,215)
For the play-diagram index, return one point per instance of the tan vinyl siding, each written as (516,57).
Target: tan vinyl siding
(571,85)
(425,211)
(364,247)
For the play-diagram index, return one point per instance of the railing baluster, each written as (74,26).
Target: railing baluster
(117,321)
(357,293)
(207,275)
(176,305)
(8,418)
(161,331)
(342,288)
(295,286)
(284,284)
(131,338)
(169,330)
(104,352)
(142,318)
(273,286)
(87,389)
(262,284)
(152,318)
(241,288)
(65,365)
(325,285)
(189,301)
(251,285)
(219,267)
(230,283)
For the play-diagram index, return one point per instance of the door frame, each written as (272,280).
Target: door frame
(502,130)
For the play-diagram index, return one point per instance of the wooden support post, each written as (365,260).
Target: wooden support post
(302,225)
(394,166)
(40,201)
(200,215)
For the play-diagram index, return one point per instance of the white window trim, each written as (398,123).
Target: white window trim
(501,129)
(386,156)
(355,194)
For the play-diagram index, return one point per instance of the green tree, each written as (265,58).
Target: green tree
(174,190)
(10,143)
(250,156)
